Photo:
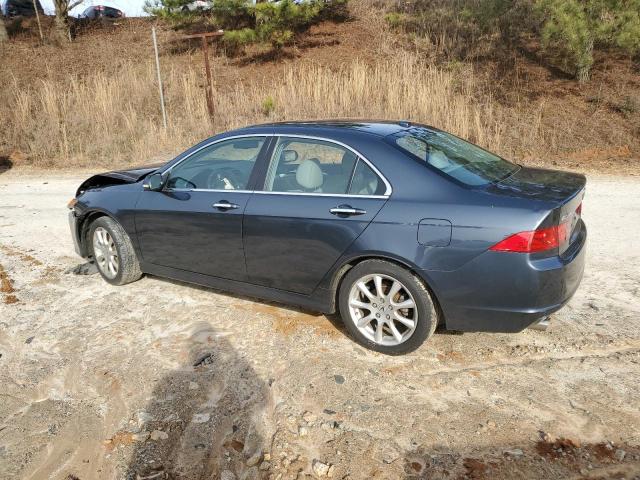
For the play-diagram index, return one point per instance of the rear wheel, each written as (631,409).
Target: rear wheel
(113,252)
(386,308)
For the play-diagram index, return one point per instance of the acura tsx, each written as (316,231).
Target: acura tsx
(398,226)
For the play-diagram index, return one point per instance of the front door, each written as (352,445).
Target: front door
(195,222)
(318,197)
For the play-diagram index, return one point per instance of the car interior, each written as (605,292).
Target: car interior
(296,167)
(309,167)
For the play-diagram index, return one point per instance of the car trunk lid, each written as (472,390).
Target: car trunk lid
(562,191)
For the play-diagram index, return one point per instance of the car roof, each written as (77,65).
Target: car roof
(379,128)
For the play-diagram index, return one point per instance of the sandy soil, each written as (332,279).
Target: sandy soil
(159,379)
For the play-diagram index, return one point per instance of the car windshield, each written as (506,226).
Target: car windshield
(461,160)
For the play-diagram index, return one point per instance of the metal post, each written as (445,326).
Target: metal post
(205,50)
(155,46)
(35,6)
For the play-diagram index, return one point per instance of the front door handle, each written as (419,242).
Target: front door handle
(224,205)
(347,210)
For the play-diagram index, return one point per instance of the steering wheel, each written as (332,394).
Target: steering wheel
(226,179)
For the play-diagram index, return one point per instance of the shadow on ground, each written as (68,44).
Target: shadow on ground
(205,419)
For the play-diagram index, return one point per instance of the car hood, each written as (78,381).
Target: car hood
(134,174)
(551,186)
(117,177)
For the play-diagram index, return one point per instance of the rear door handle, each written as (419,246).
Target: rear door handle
(347,210)
(224,205)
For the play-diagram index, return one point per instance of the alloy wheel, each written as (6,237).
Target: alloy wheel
(105,253)
(383,309)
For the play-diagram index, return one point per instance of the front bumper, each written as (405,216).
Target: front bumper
(508,292)
(75,234)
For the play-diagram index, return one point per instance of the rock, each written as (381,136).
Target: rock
(303,432)
(339,379)
(514,452)
(29,340)
(193,386)
(265,466)
(321,469)
(389,454)
(172,417)
(491,424)
(546,437)
(331,471)
(254,459)
(140,437)
(620,454)
(142,418)
(266,457)
(251,474)
(309,417)
(328,411)
(159,435)
(227,475)
(201,418)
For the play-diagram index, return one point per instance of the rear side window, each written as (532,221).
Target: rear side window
(305,165)
(365,181)
(461,160)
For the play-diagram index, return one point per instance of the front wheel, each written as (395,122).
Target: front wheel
(113,252)
(386,308)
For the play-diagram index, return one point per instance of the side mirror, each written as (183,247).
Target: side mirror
(154,182)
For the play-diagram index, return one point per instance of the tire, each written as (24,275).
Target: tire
(120,249)
(416,323)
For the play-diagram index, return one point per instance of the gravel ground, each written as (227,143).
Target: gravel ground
(160,379)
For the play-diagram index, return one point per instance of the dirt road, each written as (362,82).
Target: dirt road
(160,379)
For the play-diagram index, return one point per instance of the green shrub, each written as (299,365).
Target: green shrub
(235,40)
(275,23)
(394,19)
(568,30)
(268,106)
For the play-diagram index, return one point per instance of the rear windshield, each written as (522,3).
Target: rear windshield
(453,156)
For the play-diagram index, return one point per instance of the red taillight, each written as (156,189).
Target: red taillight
(579,210)
(534,241)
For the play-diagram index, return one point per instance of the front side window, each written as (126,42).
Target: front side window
(301,165)
(461,160)
(226,165)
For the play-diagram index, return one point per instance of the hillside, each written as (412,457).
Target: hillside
(94,102)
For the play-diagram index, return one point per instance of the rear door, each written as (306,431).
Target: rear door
(195,222)
(318,197)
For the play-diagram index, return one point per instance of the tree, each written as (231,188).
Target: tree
(573,27)
(3,32)
(62,32)
(244,22)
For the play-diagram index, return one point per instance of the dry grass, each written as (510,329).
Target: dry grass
(112,120)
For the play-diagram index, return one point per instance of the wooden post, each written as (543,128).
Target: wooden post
(155,46)
(207,67)
(35,6)
(204,37)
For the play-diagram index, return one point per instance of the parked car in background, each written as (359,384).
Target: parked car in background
(21,8)
(102,11)
(398,226)
(198,5)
